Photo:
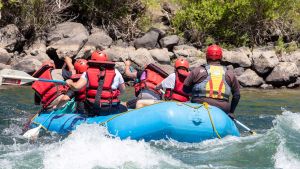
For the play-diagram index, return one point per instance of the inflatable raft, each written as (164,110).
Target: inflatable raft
(184,122)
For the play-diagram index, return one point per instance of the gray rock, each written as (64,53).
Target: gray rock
(67,39)
(10,37)
(292,57)
(98,39)
(264,61)
(187,51)
(196,62)
(250,79)
(57,74)
(266,86)
(166,67)
(120,66)
(5,56)
(239,71)
(4,66)
(160,55)
(40,56)
(141,57)
(239,56)
(169,41)
(296,84)
(38,46)
(29,65)
(283,74)
(119,54)
(148,41)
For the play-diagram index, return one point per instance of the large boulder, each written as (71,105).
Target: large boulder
(169,41)
(160,55)
(250,79)
(97,39)
(292,57)
(187,51)
(4,66)
(239,71)
(5,56)
(120,66)
(11,37)
(166,67)
(28,65)
(149,40)
(283,74)
(141,57)
(264,61)
(37,47)
(40,56)
(119,54)
(239,57)
(67,39)
(196,62)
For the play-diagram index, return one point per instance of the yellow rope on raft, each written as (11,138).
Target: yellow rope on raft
(211,120)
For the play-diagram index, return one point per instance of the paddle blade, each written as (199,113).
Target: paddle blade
(32,134)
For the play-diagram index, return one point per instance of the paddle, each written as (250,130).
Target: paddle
(32,134)
(18,80)
(244,126)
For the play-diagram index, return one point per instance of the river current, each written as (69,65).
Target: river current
(273,114)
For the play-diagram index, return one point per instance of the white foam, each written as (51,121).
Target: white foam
(285,159)
(5,164)
(88,147)
(292,119)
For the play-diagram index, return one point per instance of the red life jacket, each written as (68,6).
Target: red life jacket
(177,93)
(81,94)
(96,70)
(47,91)
(154,76)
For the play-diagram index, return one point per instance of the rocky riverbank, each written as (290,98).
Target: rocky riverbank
(257,67)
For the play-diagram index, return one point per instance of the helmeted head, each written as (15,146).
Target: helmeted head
(49,63)
(98,55)
(214,52)
(81,65)
(182,65)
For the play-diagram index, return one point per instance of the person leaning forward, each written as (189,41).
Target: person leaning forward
(213,83)
(103,83)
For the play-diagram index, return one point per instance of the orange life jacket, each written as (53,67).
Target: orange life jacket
(104,71)
(81,94)
(47,91)
(154,76)
(177,93)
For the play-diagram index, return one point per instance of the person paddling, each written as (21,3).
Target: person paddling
(174,82)
(145,83)
(213,83)
(80,66)
(48,93)
(103,83)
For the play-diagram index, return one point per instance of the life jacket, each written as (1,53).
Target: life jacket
(177,93)
(47,91)
(102,73)
(215,85)
(81,94)
(154,76)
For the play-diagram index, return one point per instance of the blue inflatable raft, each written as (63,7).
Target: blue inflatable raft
(184,122)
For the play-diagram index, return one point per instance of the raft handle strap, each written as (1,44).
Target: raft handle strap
(205,104)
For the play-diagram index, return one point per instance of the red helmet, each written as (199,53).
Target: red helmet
(182,62)
(49,63)
(214,52)
(81,65)
(99,56)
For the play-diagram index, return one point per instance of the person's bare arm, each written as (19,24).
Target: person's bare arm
(128,72)
(75,86)
(70,65)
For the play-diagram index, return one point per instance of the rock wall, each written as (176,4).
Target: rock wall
(259,67)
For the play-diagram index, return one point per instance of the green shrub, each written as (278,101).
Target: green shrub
(239,22)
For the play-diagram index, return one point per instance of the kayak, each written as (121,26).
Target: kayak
(184,122)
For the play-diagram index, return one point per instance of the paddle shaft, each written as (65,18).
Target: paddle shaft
(20,78)
(244,126)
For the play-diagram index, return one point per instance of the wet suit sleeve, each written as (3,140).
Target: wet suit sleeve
(235,94)
(189,83)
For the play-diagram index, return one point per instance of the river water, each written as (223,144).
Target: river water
(273,114)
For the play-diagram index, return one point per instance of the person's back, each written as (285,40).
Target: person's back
(47,93)
(213,83)
(103,85)
(174,82)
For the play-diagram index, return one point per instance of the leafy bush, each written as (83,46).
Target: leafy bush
(239,22)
